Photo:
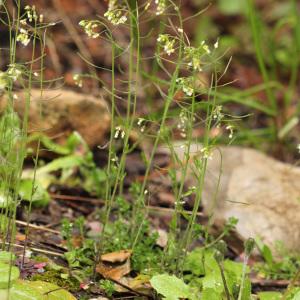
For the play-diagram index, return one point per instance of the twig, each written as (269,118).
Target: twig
(36,250)
(37,227)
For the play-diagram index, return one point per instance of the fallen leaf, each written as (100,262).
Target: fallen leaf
(114,257)
(115,272)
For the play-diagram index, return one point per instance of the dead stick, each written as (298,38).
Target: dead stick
(37,227)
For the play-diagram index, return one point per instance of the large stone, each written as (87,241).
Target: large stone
(60,112)
(263,193)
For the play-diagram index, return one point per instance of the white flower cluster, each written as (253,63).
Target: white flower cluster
(23,37)
(119,132)
(194,55)
(161,6)
(186,83)
(230,128)
(141,124)
(217,113)
(167,43)
(11,74)
(182,124)
(78,80)
(115,14)
(89,27)
(206,152)
(31,13)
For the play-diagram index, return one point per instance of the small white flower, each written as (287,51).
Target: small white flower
(147,5)
(140,121)
(298,148)
(23,22)
(161,6)
(216,44)
(36,74)
(115,16)
(23,37)
(167,43)
(78,80)
(217,113)
(31,13)
(230,128)
(13,72)
(89,27)
(119,132)
(206,152)
(15,97)
(180,30)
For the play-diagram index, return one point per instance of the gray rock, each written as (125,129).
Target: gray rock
(263,193)
(60,112)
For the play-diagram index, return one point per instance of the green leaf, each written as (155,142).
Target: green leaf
(265,251)
(49,144)
(67,162)
(211,294)
(213,281)
(194,262)
(35,290)
(231,7)
(171,287)
(6,257)
(39,197)
(269,296)
(8,274)
(5,199)
(297,296)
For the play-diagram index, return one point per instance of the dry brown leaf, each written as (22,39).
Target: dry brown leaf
(115,272)
(114,257)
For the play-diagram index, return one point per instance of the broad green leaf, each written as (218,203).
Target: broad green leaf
(194,262)
(213,281)
(265,251)
(5,199)
(297,296)
(171,287)
(49,144)
(50,291)
(35,290)
(40,196)
(6,257)
(8,274)
(211,294)
(70,161)
(269,296)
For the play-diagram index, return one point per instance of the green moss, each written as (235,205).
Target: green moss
(54,276)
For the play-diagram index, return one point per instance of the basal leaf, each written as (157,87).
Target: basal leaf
(171,287)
